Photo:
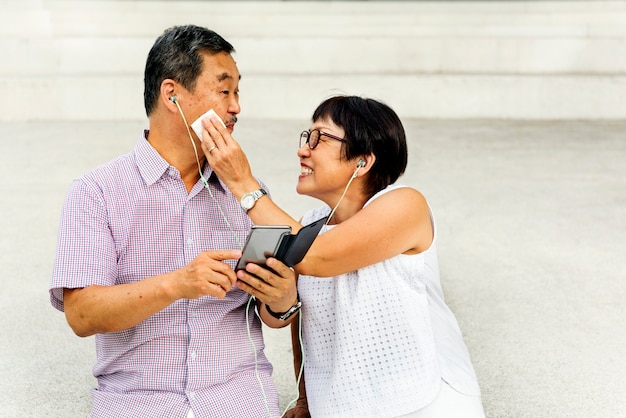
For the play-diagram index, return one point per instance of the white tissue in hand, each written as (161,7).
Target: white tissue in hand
(197,125)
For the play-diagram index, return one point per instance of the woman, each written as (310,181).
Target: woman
(378,337)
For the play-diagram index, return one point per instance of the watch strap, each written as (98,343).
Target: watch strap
(283,316)
(258,193)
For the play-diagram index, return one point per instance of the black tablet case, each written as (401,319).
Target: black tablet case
(293,247)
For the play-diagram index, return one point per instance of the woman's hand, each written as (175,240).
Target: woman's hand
(275,286)
(297,412)
(227,159)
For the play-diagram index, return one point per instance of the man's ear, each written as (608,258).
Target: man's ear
(169,97)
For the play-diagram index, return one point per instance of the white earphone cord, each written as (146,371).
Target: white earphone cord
(344,193)
(206,185)
(204,181)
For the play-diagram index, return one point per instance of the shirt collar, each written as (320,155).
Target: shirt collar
(152,165)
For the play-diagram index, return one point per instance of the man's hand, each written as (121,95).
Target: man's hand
(99,309)
(207,274)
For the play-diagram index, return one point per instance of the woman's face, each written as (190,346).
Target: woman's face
(323,173)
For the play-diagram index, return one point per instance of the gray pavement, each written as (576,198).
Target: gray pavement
(532,228)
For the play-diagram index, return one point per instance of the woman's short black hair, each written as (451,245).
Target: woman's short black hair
(176,55)
(370,127)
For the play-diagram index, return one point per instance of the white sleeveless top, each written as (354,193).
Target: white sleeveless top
(378,340)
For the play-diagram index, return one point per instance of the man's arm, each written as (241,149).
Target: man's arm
(99,309)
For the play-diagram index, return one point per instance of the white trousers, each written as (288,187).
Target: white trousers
(450,404)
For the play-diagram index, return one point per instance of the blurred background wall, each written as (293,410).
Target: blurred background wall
(74,60)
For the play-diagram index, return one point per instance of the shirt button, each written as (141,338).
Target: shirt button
(190,242)
(193,314)
(193,355)
(191,395)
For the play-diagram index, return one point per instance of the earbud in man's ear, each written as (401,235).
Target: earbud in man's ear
(173,98)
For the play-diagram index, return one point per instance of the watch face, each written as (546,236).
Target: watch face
(247,201)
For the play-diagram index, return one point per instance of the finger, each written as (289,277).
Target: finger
(205,135)
(263,273)
(223,281)
(222,255)
(217,290)
(280,268)
(263,281)
(254,280)
(207,282)
(219,135)
(252,285)
(215,266)
(208,146)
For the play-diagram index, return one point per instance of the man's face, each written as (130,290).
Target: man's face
(217,88)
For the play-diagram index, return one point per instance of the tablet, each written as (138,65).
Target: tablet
(277,241)
(263,241)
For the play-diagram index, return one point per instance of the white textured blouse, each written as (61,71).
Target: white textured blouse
(378,340)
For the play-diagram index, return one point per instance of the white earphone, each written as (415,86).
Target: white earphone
(359,165)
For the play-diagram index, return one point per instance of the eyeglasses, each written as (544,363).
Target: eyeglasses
(312,138)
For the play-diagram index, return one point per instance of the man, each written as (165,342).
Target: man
(147,245)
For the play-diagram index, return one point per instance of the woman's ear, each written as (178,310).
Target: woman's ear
(364,163)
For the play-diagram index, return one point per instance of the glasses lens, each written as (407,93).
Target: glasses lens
(314,138)
(304,138)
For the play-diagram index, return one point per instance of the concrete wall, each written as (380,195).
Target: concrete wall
(83,59)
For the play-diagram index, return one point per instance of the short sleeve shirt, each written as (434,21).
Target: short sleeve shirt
(131,219)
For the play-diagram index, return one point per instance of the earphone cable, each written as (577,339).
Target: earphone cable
(204,180)
(256,361)
(252,298)
(340,199)
(301,371)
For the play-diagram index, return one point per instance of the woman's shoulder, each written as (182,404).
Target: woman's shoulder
(399,194)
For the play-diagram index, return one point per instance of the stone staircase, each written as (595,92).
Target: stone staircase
(84,59)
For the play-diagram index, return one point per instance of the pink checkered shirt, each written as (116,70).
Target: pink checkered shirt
(131,219)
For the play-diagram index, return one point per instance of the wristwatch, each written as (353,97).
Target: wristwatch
(249,199)
(283,316)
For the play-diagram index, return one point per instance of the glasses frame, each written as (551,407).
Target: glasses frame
(306,136)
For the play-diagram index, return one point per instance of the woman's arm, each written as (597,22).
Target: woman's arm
(397,222)
(232,167)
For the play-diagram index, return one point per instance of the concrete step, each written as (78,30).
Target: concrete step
(318,18)
(309,56)
(74,60)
